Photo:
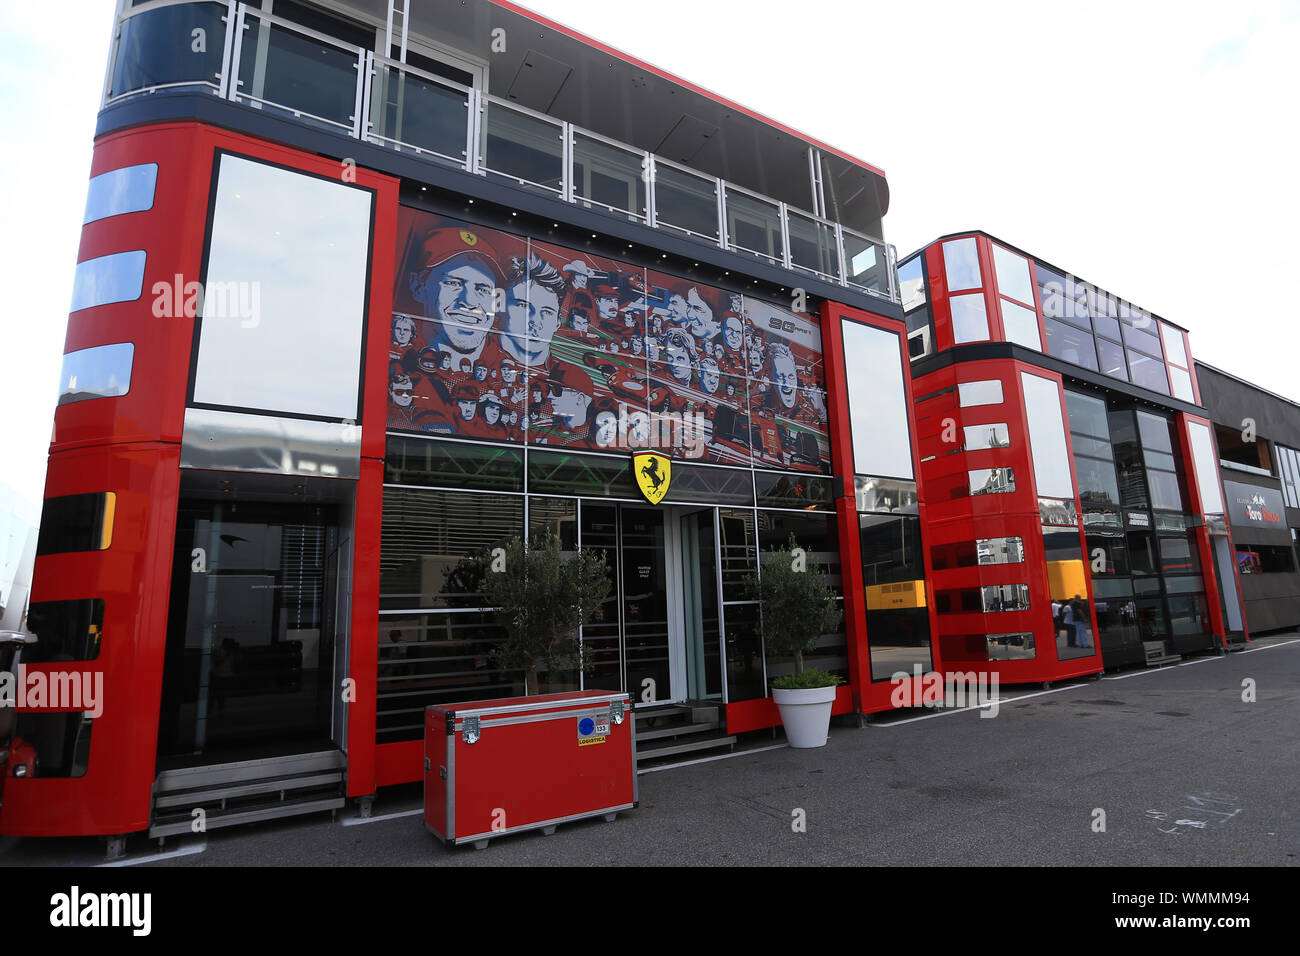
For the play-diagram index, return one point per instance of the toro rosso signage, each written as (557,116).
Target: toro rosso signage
(1255,506)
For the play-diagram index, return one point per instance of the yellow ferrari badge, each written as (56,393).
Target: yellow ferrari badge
(652,471)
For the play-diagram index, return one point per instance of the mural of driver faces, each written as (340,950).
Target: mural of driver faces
(533,291)
(456,286)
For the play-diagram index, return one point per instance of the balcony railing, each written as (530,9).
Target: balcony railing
(270,63)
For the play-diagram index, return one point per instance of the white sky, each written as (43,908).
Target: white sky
(1149,148)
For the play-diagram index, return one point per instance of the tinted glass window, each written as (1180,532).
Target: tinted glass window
(1111,358)
(67,630)
(1047,436)
(1070,344)
(76,523)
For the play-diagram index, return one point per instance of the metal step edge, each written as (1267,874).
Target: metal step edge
(681,730)
(709,744)
(271,785)
(190,778)
(214,820)
(667,710)
(1165,659)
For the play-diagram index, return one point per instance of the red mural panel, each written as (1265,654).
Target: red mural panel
(496,337)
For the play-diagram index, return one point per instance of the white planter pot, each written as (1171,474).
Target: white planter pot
(806,714)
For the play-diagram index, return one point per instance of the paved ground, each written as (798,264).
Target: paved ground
(1187,774)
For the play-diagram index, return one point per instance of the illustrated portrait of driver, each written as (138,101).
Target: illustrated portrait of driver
(456,284)
(533,291)
(784,377)
(699,317)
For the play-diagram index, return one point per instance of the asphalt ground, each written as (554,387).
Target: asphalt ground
(1177,766)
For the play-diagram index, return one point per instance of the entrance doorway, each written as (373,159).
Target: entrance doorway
(656,636)
(250,659)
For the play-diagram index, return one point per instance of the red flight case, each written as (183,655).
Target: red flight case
(495,767)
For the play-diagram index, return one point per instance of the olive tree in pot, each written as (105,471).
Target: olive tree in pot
(540,600)
(797,608)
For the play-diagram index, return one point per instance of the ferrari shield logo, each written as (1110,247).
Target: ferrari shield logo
(652,471)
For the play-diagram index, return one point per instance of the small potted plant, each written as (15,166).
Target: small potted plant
(540,600)
(797,608)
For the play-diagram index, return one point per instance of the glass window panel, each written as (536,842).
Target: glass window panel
(1098,489)
(970,321)
(607,175)
(423,461)
(1021,325)
(66,630)
(1142,340)
(806,492)
(427,537)
(592,476)
(911,283)
(1087,415)
(754,225)
(119,191)
(523,147)
(866,261)
(100,372)
(878,413)
(813,246)
(986,436)
(415,111)
(898,625)
(1182,384)
(1154,432)
(885,494)
(991,481)
(1179,556)
(1070,344)
(1111,359)
(1058,512)
(286,276)
(961,264)
(979,393)
(686,201)
(287,69)
(1165,491)
(106,279)
(1013,275)
(1107,327)
(1047,436)
(739,549)
(72,523)
(1175,351)
(156,48)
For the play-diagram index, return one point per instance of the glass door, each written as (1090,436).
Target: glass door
(645,604)
(250,648)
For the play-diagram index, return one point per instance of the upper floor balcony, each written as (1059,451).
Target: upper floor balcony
(502,93)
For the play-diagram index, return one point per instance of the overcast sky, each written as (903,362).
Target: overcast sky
(1146,147)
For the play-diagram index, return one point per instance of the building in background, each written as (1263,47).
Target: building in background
(1258,437)
(1075,516)
(364,289)
(18,522)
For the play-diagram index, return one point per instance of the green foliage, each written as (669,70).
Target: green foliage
(541,600)
(806,680)
(797,606)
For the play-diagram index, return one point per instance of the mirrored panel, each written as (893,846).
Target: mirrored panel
(1047,442)
(979,393)
(1013,275)
(970,320)
(961,264)
(119,191)
(1021,325)
(100,372)
(878,413)
(286,275)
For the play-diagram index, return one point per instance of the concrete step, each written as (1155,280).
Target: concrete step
(676,730)
(681,747)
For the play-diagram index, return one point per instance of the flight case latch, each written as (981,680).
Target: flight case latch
(616,711)
(470,730)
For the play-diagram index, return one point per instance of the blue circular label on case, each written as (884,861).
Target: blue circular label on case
(585,726)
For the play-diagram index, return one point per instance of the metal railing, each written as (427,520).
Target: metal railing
(270,63)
